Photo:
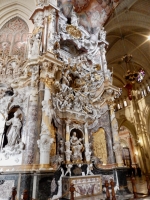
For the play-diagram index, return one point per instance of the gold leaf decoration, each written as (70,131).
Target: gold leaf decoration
(99,145)
(74,31)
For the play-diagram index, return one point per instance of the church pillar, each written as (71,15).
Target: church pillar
(132,151)
(116,144)
(44,145)
(45,141)
(141,133)
(32,117)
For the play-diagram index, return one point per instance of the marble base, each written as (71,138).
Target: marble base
(9,160)
(6,188)
(44,184)
(84,186)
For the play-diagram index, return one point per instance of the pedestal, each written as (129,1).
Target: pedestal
(84,186)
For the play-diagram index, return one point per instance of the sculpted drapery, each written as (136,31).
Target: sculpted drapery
(13,134)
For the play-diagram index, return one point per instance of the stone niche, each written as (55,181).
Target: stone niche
(11,140)
(84,185)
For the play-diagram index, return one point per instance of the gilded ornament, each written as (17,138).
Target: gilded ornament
(49,18)
(48,81)
(99,145)
(53,145)
(74,31)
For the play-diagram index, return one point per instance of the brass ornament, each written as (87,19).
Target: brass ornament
(74,31)
(99,145)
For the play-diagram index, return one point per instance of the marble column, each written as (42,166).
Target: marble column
(86,137)
(45,141)
(67,143)
(132,151)
(87,145)
(44,145)
(34,191)
(32,118)
(103,57)
(116,143)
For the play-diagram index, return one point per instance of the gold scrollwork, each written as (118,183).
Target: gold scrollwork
(74,31)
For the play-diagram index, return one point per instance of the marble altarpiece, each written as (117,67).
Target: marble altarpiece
(56,99)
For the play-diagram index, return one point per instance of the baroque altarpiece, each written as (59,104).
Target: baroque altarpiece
(56,105)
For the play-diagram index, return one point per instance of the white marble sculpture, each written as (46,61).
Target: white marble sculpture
(68,169)
(89,169)
(44,144)
(68,152)
(88,151)
(76,147)
(13,135)
(59,193)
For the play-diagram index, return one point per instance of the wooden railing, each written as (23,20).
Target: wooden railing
(24,196)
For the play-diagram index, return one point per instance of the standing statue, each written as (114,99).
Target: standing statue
(14,130)
(68,170)
(35,44)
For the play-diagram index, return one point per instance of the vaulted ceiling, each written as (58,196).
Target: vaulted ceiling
(12,8)
(127,31)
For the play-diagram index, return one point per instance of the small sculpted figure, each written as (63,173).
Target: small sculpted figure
(68,170)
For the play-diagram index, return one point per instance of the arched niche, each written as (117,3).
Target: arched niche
(99,145)
(79,133)
(8,126)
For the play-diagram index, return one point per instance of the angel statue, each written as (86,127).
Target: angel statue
(13,134)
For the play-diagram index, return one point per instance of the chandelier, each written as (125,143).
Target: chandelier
(132,75)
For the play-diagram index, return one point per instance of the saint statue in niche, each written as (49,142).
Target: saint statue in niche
(76,147)
(13,134)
